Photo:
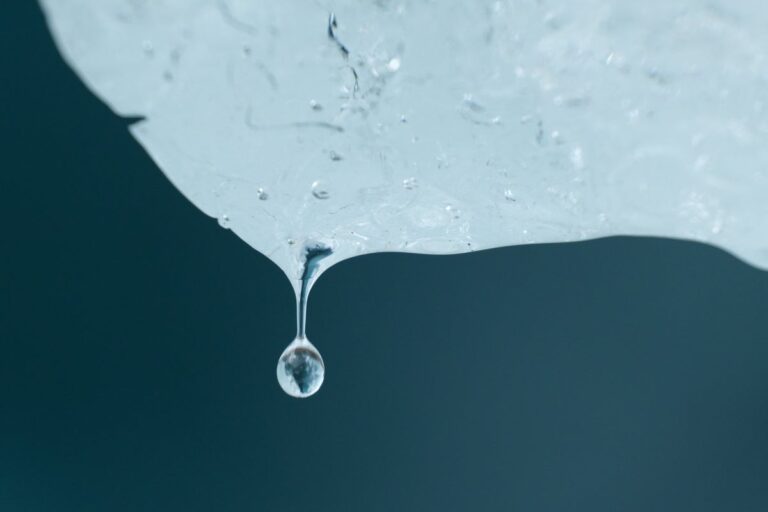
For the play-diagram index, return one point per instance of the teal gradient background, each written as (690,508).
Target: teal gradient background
(138,343)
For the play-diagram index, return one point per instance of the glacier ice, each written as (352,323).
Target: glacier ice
(442,126)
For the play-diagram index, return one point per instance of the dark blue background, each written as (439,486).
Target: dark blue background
(138,343)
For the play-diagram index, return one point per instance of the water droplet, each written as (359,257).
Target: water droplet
(577,159)
(394,64)
(453,211)
(471,104)
(319,190)
(509,195)
(262,194)
(300,369)
(314,105)
(335,156)
(403,119)
(410,183)
(224,221)
(717,226)
(148,48)
(617,61)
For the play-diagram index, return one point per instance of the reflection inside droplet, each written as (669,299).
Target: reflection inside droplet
(300,369)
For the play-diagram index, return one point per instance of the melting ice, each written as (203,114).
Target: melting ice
(442,127)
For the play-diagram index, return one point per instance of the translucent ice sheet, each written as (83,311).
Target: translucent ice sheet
(443,126)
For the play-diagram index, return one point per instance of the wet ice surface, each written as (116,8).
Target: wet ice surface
(443,126)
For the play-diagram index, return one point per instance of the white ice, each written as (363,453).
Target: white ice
(443,126)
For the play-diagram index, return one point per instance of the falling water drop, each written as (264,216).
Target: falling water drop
(300,368)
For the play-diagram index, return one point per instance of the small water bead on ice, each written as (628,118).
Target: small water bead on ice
(314,105)
(148,48)
(577,158)
(393,64)
(453,212)
(319,190)
(410,183)
(617,61)
(300,369)
(468,100)
(224,221)
(335,156)
(262,194)
(509,195)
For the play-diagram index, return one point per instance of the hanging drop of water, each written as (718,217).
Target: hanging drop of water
(300,369)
